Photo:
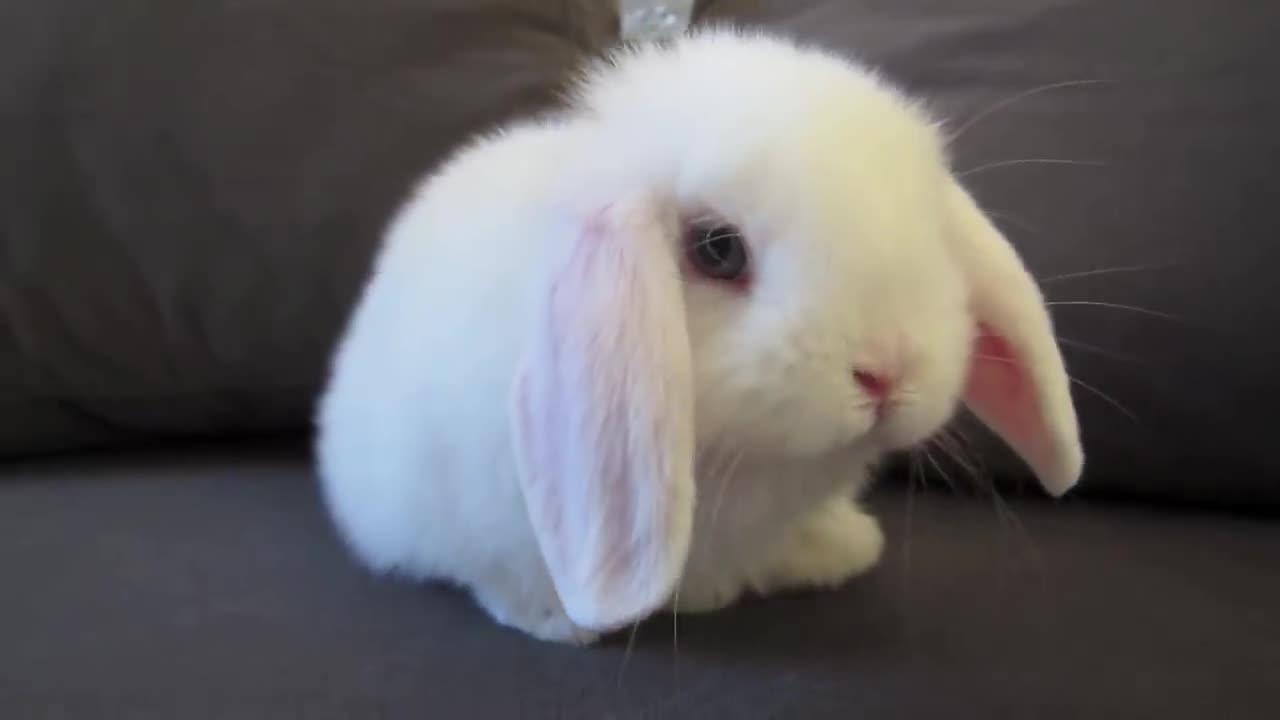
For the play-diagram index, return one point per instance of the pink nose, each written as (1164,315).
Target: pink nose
(877,385)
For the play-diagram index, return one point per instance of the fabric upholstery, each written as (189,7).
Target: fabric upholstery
(202,585)
(192,192)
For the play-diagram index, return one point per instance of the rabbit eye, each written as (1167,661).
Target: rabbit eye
(717,251)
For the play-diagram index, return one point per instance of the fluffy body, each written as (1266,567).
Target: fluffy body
(839,184)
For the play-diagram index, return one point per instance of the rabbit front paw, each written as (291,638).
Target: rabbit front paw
(834,544)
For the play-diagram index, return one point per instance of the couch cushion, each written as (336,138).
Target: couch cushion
(191,191)
(195,190)
(1177,392)
(201,585)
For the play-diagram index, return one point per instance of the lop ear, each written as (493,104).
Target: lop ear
(603,418)
(1017,384)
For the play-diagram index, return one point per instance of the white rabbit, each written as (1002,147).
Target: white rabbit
(643,353)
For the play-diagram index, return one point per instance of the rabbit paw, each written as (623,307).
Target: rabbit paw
(545,621)
(706,597)
(831,546)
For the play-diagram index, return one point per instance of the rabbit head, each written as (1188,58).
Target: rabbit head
(772,252)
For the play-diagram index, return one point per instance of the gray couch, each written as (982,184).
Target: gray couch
(190,193)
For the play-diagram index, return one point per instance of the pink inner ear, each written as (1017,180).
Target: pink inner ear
(1001,392)
(603,420)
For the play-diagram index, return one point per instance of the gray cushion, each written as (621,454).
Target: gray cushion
(201,586)
(1184,118)
(191,191)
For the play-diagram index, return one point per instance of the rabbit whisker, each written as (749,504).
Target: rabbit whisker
(938,468)
(675,634)
(1106,398)
(950,443)
(951,484)
(1099,350)
(1076,381)
(1009,519)
(1028,161)
(1023,224)
(726,474)
(1002,104)
(724,233)
(626,653)
(1116,306)
(1105,271)
(1004,513)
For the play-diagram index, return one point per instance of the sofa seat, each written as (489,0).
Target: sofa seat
(208,582)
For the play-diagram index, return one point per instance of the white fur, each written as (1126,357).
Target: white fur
(839,185)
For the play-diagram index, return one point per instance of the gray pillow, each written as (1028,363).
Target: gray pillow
(191,191)
(1176,360)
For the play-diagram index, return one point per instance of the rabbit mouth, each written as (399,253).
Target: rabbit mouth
(900,426)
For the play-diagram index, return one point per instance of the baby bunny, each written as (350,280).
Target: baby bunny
(643,353)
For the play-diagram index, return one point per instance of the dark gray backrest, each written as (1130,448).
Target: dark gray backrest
(190,193)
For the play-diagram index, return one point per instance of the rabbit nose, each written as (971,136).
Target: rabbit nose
(876,384)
